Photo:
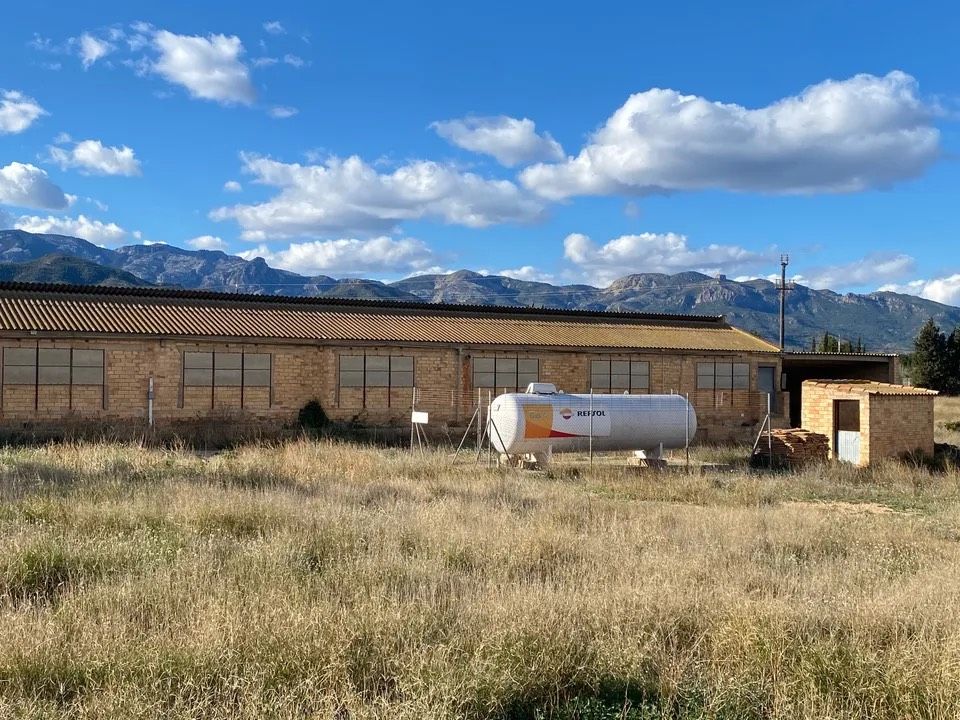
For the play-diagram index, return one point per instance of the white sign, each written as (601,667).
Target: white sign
(419,418)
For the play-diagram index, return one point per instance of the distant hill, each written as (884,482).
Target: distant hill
(884,321)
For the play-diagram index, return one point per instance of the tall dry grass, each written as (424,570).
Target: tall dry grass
(328,580)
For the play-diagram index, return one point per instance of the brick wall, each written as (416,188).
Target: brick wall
(443,377)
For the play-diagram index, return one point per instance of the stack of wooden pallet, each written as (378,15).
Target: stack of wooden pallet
(795,446)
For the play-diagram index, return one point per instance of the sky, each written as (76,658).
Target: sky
(544,141)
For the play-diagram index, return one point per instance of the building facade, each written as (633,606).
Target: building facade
(89,352)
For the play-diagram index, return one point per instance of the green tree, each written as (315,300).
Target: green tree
(952,363)
(930,367)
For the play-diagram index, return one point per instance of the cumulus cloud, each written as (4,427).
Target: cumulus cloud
(282,112)
(943,290)
(274,27)
(232,186)
(653,252)
(528,273)
(208,67)
(349,256)
(294,60)
(94,158)
(207,242)
(91,49)
(25,185)
(17,112)
(836,136)
(95,231)
(870,270)
(510,140)
(348,194)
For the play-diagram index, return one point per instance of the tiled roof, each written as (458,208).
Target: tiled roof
(869,387)
(152,312)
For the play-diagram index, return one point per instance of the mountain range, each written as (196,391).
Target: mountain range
(882,320)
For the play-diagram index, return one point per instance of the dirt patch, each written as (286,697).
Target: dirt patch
(843,508)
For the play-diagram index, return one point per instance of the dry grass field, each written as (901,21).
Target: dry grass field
(316,579)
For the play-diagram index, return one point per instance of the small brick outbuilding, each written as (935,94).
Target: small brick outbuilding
(867,420)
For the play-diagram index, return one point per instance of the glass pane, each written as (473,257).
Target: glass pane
(19,356)
(378,378)
(198,360)
(401,378)
(228,361)
(48,375)
(352,363)
(227,377)
(600,383)
(619,367)
(53,358)
(402,363)
(600,367)
(507,365)
(741,369)
(619,382)
(351,378)
(506,380)
(530,366)
(483,379)
(254,377)
(639,367)
(19,374)
(88,376)
(524,379)
(705,376)
(87,358)
(197,377)
(256,361)
(483,365)
(741,382)
(376,362)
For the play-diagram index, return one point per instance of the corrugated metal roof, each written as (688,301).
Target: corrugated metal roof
(869,387)
(26,308)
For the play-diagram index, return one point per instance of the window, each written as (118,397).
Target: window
(52,366)
(617,376)
(505,373)
(226,369)
(723,376)
(373,371)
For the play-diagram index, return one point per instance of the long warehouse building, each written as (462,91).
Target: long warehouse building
(81,351)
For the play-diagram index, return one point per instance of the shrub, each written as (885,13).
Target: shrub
(312,416)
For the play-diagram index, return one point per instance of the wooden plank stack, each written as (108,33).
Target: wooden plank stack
(795,447)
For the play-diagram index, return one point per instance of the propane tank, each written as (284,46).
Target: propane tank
(522,423)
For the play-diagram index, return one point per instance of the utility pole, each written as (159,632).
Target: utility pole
(784,261)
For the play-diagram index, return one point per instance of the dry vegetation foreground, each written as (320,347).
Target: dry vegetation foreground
(316,579)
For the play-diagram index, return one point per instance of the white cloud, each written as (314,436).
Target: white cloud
(95,158)
(282,112)
(95,231)
(274,27)
(294,60)
(528,273)
(25,185)
(349,256)
(264,61)
(208,67)
(17,111)
(510,140)
(232,186)
(349,194)
(870,270)
(943,290)
(92,49)
(653,252)
(207,242)
(837,136)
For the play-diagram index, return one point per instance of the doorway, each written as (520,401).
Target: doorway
(846,427)
(766,383)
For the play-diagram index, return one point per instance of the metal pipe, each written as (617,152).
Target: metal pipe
(150,401)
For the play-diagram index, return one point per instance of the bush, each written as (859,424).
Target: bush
(312,416)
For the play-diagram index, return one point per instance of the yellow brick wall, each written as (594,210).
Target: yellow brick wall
(302,373)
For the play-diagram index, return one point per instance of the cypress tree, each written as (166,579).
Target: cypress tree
(930,362)
(952,363)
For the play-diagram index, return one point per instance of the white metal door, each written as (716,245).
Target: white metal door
(848,446)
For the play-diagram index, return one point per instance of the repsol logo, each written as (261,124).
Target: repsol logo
(594,413)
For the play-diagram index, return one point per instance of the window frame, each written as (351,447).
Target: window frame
(719,379)
(512,367)
(391,372)
(627,373)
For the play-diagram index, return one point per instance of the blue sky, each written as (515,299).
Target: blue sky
(546,142)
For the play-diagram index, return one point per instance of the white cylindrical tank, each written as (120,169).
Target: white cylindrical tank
(528,423)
